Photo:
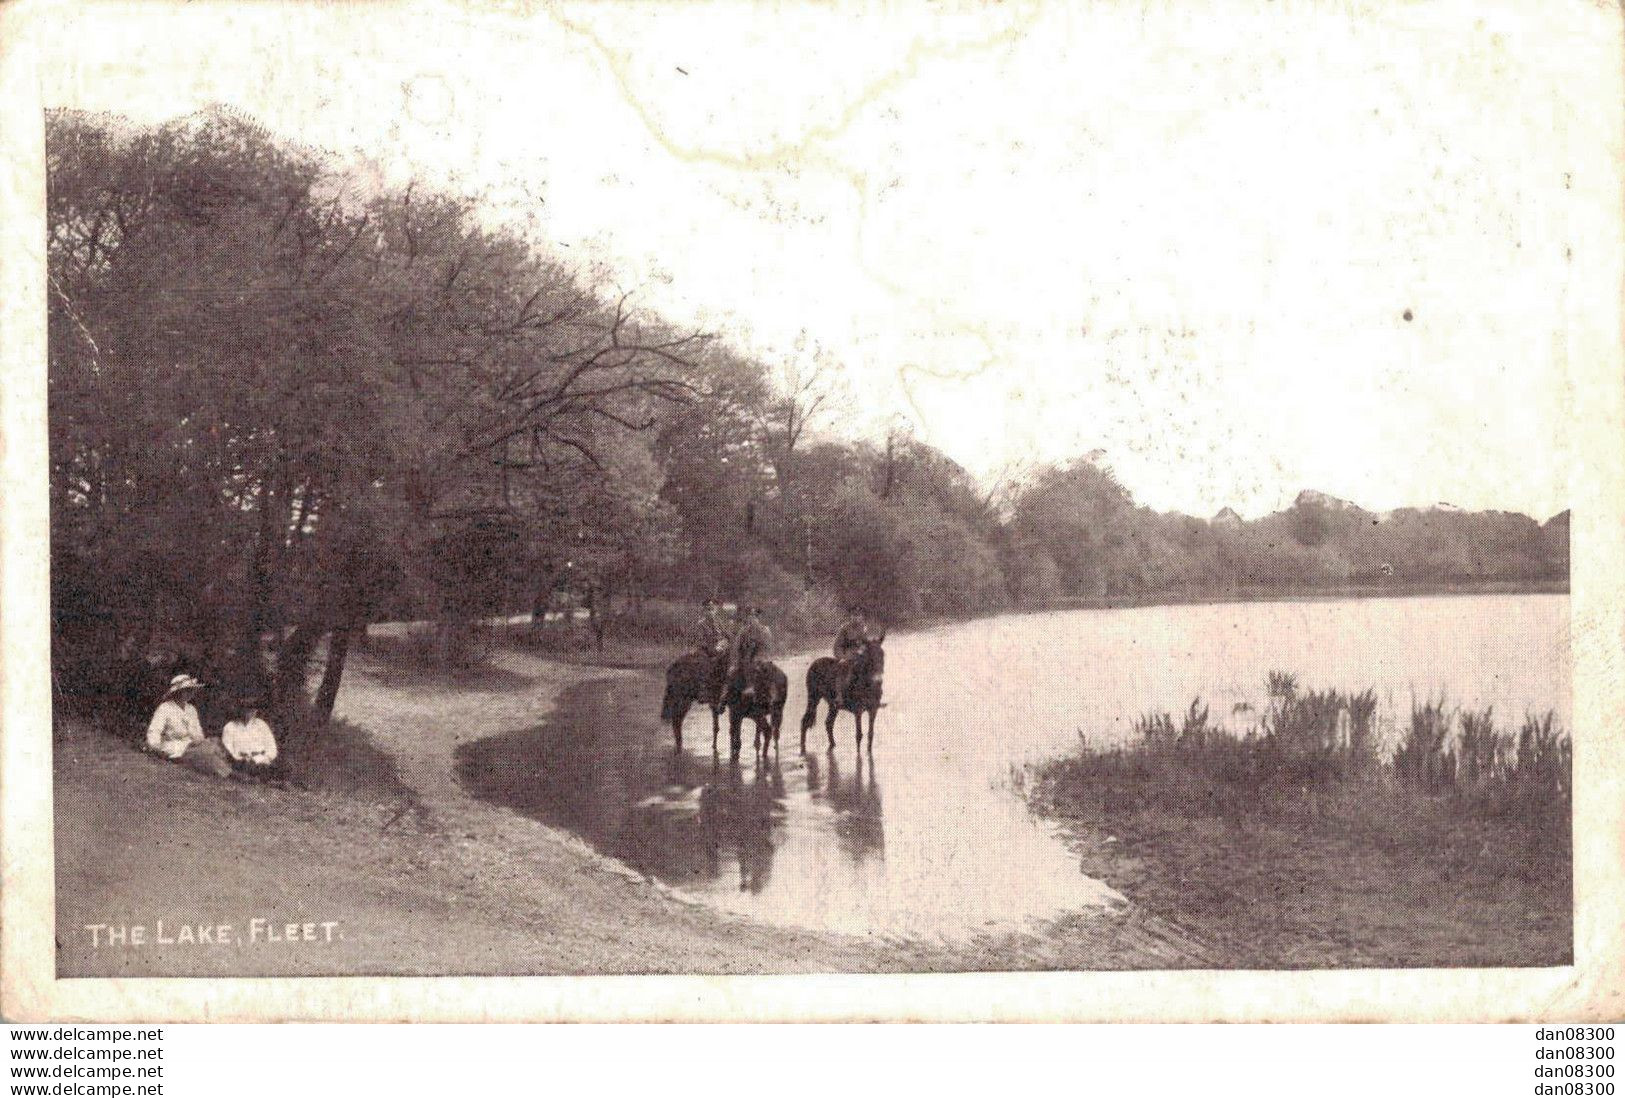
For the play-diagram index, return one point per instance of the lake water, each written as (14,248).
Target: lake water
(928,836)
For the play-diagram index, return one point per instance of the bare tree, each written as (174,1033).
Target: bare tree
(806,390)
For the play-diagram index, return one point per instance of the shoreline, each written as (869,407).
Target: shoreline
(1314,594)
(452,885)
(1276,894)
(1364,871)
(635,651)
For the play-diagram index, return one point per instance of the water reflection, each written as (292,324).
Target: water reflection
(738,818)
(855,800)
(692,820)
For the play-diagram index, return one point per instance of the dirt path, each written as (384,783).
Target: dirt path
(441,883)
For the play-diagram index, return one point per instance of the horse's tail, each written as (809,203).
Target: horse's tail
(817,689)
(781,695)
(675,689)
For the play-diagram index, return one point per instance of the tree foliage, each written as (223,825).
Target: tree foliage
(281,407)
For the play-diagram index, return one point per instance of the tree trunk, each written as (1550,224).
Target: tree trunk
(293,657)
(265,614)
(338,648)
(889,472)
(260,568)
(595,613)
(544,597)
(149,624)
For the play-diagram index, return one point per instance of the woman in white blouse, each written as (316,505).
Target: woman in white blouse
(175,726)
(248,739)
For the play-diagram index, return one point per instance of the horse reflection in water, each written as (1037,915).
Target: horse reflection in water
(740,816)
(855,801)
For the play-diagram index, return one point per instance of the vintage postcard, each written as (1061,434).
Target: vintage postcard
(812,511)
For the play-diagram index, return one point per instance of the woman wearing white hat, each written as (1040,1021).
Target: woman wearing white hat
(175,725)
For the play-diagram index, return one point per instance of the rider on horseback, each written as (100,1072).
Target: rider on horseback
(749,648)
(714,637)
(849,645)
(711,633)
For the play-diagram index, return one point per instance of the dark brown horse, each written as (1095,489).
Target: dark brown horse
(693,677)
(758,697)
(862,694)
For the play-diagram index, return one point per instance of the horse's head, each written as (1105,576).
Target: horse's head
(871,662)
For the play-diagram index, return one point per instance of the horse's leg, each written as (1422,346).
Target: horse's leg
(872,713)
(735,721)
(808,717)
(677,718)
(857,720)
(829,723)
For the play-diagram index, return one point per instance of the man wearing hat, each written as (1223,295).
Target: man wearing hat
(714,638)
(849,643)
(175,726)
(711,632)
(749,647)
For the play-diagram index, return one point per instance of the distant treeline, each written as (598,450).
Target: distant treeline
(1319,544)
(284,404)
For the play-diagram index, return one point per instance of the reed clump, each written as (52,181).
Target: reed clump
(1320,752)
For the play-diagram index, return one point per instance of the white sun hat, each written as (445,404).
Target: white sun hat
(182,682)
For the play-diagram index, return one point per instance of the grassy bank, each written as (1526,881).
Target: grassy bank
(1306,842)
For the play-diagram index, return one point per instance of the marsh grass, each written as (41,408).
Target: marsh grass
(1363,747)
(1422,761)
(1316,837)
(1317,753)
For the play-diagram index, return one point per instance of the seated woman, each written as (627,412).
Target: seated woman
(175,726)
(249,740)
(176,733)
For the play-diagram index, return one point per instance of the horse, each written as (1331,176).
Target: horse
(693,677)
(862,694)
(762,703)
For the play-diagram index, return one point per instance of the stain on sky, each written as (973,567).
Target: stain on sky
(810,151)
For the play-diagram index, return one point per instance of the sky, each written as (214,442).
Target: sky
(1243,250)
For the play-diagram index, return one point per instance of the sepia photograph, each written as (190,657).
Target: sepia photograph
(720,490)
